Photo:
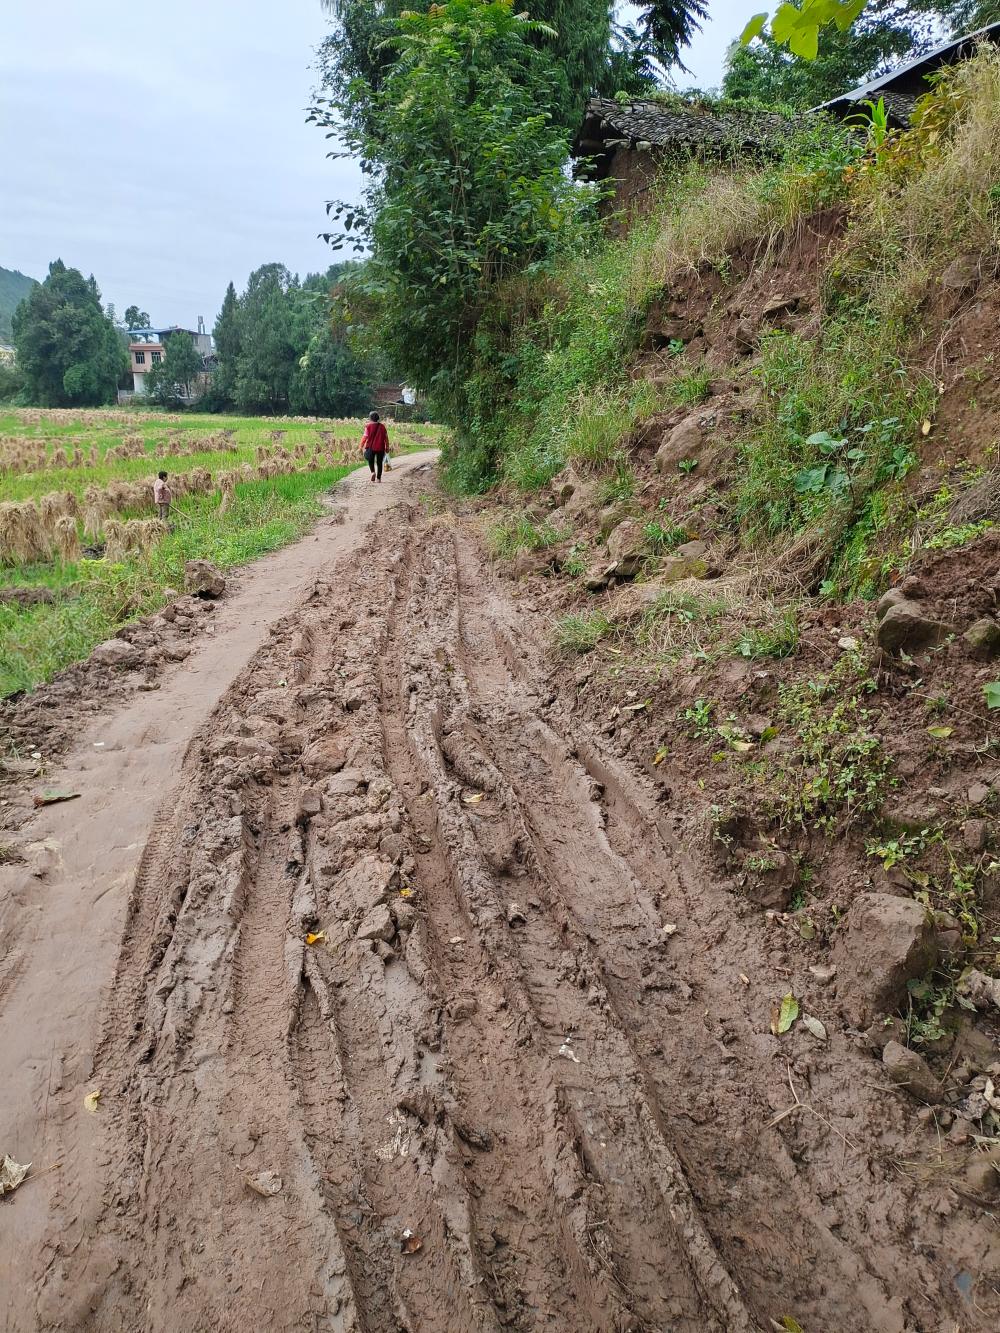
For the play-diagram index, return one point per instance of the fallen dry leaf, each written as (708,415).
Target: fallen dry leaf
(409,1242)
(53,797)
(316,937)
(745,979)
(11,1174)
(669,929)
(265,1183)
(91,1100)
(661,754)
(925,426)
(814,1026)
(822,972)
(473,800)
(407,893)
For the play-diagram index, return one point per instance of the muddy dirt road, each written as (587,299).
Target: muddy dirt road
(514,1081)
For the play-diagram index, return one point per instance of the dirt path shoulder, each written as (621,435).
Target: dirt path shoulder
(62,913)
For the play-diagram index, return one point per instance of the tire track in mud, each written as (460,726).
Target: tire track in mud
(631,1218)
(704,1063)
(498,1093)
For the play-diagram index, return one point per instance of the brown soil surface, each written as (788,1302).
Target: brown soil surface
(523,1079)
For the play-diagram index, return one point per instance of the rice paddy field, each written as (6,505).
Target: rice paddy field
(81,549)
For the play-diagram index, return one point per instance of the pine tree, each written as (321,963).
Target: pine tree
(227,347)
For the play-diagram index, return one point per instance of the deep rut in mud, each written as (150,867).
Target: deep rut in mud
(500,1090)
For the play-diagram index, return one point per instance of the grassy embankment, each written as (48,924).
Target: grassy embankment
(835,416)
(837,448)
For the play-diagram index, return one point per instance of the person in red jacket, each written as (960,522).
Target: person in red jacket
(374,444)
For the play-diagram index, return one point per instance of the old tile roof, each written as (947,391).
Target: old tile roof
(903,85)
(609,125)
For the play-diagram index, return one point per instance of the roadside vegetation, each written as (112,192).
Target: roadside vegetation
(81,552)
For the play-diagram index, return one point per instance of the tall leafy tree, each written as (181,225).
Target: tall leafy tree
(887,31)
(585,50)
(68,351)
(279,348)
(176,375)
(467,181)
(971,15)
(267,353)
(358,60)
(665,27)
(329,378)
(136,318)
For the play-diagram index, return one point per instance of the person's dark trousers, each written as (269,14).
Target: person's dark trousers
(374,461)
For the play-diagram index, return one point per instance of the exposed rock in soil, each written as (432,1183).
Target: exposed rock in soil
(983,638)
(983,991)
(596,578)
(686,440)
(116,652)
(377,925)
(202,579)
(911,1071)
(963,274)
(905,627)
(982,1175)
(976,834)
(627,549)
(772,886)
(884,943)
(26,596)
(687,562)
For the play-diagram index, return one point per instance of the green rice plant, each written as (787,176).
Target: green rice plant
(95,598)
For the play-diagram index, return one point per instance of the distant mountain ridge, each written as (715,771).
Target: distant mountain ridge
(14,287)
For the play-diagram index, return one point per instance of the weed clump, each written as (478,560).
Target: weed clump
(579,633)
(836,771)
(520,532)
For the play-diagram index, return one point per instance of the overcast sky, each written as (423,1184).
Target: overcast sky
(163,146)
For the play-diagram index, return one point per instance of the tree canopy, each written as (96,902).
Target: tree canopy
(136,318)
(586,50)
(174,378)
(883,34)
(69,352)
(279,347)
(467,182)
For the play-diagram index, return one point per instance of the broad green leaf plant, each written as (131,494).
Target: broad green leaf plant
(798,26)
